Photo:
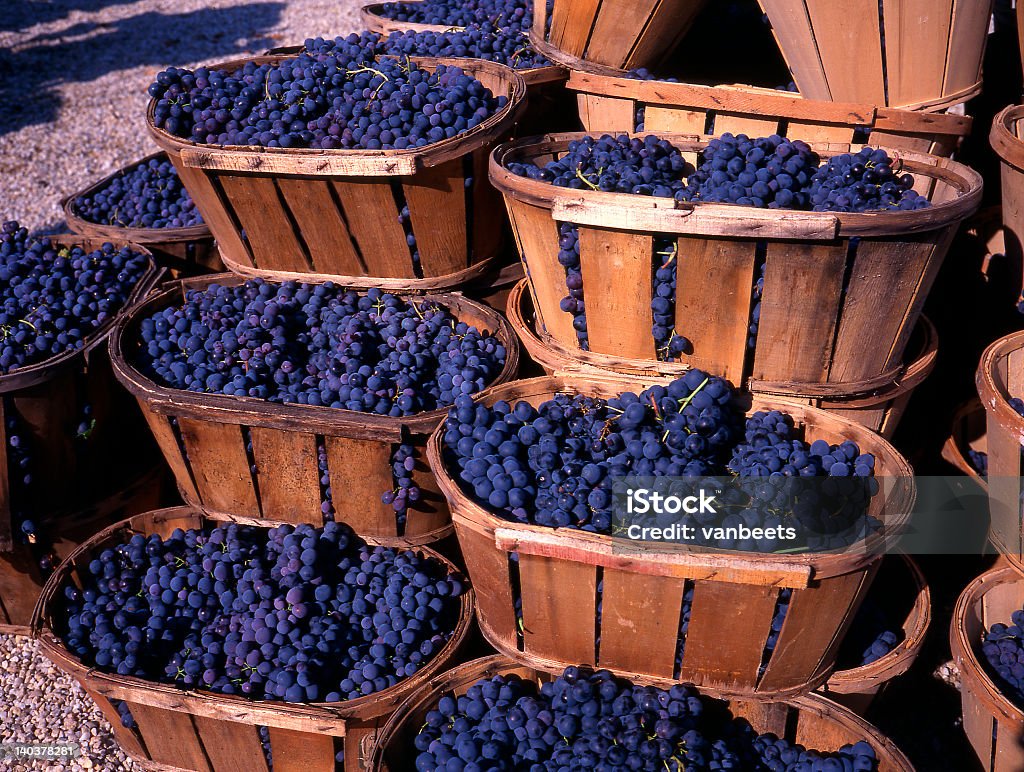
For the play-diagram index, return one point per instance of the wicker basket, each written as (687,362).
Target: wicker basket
(993,723)
(206,732)
(185,251)
(915,54)
(315,215)
(811,721)
(203,438)
(558,571)
(880,408)
(862,277)
(608,101)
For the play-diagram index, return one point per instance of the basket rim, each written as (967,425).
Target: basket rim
(222,408)
(216,705)
(953,449)
(892,384)
(253,156)
(993,392)
(476,669)
(963,648)
(46,370)
(792,570)
(704,217)
(1003,139)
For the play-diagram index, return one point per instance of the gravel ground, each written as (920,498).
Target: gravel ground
(73,77)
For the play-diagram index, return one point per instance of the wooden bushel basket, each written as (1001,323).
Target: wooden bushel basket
(203,437)
(968,433)
(856,688)
(314,215)
(201,731)
(861,278)
(616,33)
(610,102)
(993,723)
(811,721)
(558,571)
(186,251)
(880,408)
(915,54)
(1007,139)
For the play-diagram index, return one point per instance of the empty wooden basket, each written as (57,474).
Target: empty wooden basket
(201,731)
(610,102)
(556,573)
(861,278)
(335,214)
(917,54)
(993,722)
(1007,138)
(811,721)
(206,441)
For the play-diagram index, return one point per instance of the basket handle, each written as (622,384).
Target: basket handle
(299,163)
(620,554)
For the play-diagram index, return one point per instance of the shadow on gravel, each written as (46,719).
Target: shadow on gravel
(22,14)
(32,72)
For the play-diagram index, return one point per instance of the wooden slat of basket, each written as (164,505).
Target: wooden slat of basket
(126,738)
(304,162)
(609,113)
(813,131)
(322,224)
(765,716)
(18,570)
(372,217)
(752,126)
(848,45)
(208,198)
(47,410)
(360,472)
(627,597)
(1004,484)
(256,203)
(618,27)
(803,284)
(548,612)
(966,44)
(915,68)
(288,475)
(160,426)
(220,466)
(979,725)
(231,746)
(437,203)
(489,218)
(617,268)
(301,751)
(170,737)
(668,22)
(671,119)
(792,29)
(490,571)
(717,330)
(431,511)
(572,22)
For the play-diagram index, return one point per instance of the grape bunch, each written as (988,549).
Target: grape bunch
(300,614)
(406,491)
(335,94)
(583,719)
(1003,649)
(455,13)
(124,713)
(863,181)
(667,342)
(573,303)
(318,345)
(147,195)
(53,298)
(506,45)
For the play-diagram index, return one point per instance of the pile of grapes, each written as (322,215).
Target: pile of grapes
(1003,648)
(592,720)
(300,614)
(559,464)
(318,345)
(148,195)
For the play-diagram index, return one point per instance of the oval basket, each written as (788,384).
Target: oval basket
(857,687)
(608,101)
(879,408)
(992,722)
(1008,141)
(811,721)
(1000,377)
(862,296)
(204,439)
(207,732)
(185,251)
(316,215)
(558,570)
(45,397)
(376,20)
(904,53)
(968,434)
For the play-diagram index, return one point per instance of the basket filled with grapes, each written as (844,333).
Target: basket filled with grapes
(673,248)
(145,203)
(886,636)
(343,163)
(987,640)
(294,403)
(637,101)
(213,645)
(534,471)
(639,727)
(898,53)
(877,408)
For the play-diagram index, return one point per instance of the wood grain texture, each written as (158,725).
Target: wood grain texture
(372,218)
(231,746)
(848,42)
(558,624)
(360,472)
(437,207)
(916,39)
(322,224)
(572,22)
(599,113)
(618,28)
(301,751)
(170,737)
(673,119)
(217,455)
(488,568)
(288,476)
(268,227)
(160,426)
(640,622)
(791,26)
(751,125)
(968,35)
(213,207)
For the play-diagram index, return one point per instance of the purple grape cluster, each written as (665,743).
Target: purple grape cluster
(125,714)
(867,180)
(591,720)
(1003,649)
(147,195)
(669,344)
(455,13)
(318,345)
(573,303)
(406,492)
(300,614)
